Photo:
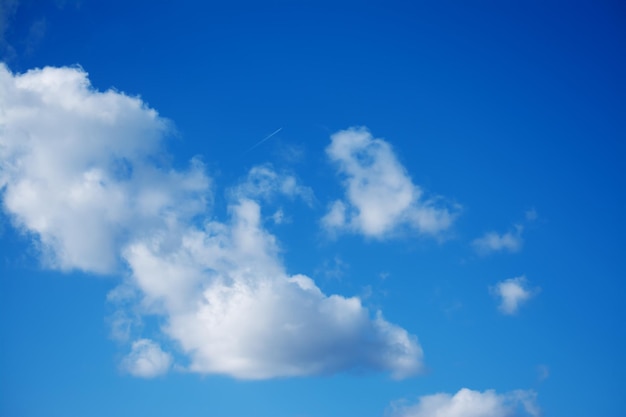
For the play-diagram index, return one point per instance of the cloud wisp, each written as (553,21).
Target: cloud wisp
(492,242)
(380,197)
(470,403)
(264,183)
(8,8)
(146,359)
(84,174)
(512,293)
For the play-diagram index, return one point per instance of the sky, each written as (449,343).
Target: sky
(298,208)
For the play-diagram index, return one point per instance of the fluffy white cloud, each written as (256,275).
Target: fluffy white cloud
(146,359)
(469,403)
(495,242)
(79,171)
(380,197)
(234,310)
(512,292)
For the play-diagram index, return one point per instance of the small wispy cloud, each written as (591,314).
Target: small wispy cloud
(510,241)
(8,9)
(543,372)
(512,293)
(13,47)
(491,242)
(334,268)
(146,359)
(264,182)
(531,215)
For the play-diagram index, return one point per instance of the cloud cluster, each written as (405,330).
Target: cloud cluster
(469,403)
(84,173)
(512,292)
(380,197)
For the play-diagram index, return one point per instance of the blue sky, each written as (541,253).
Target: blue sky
(299,208)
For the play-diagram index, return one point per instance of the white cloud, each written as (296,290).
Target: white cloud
(513,292)
(380,197)
(469,403)
(79,171)
(146,359)
(76,170)
(494,242)
(234,310)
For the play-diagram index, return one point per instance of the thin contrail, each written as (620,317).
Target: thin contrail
(266,138)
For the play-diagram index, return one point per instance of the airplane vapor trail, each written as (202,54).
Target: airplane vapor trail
(264,139)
